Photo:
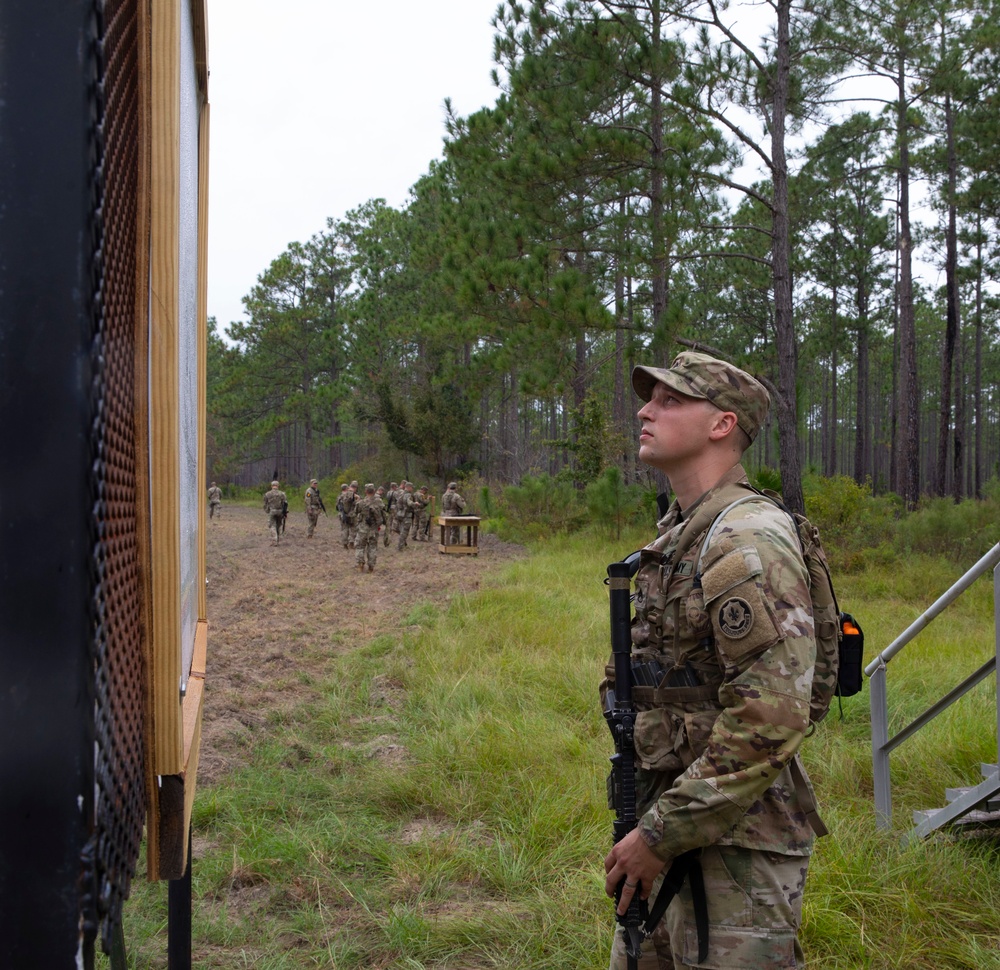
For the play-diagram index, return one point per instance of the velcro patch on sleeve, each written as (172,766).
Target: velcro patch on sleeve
(732,569)
(742,622)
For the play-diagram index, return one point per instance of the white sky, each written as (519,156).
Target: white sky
(320,105)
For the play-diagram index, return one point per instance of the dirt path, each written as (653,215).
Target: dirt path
(277,613)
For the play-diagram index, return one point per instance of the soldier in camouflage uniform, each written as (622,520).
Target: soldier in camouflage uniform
(733,649)
(371,517)
(342,515)
(352,517)
(420,503)
(404,513)
(452,503)
(214,501)
(390,504)
(274,505)
(313,507)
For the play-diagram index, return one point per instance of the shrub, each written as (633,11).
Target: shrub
(962,532)
(855,525)
(539,506)
(610,502)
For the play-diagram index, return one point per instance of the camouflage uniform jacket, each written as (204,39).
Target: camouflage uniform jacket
(347,503)
(312,501)
(215,495)
(713,760)
(371,514)
(403,505)
(274,501)
(452,503)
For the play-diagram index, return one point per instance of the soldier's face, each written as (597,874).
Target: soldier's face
(675,428)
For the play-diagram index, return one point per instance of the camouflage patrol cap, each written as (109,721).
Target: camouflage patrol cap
(343,488)
(312,481)
(369,487)
(718,381)
(393,484)
(354,484)
(452,484)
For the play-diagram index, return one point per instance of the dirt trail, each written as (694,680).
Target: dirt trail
(277,613)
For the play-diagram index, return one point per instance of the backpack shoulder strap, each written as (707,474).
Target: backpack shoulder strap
(752,497)
(708,513)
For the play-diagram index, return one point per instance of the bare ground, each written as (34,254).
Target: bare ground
(277,613)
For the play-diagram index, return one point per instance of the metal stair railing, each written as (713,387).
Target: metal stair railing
(882,744)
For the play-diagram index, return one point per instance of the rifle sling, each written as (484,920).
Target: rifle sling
(685,866)
(806,798)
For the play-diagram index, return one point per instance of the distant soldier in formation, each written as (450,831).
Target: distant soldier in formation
(380,492)
(420,503)
(371,517)
(352,518)
(214,500)
(390,504)
(314,505)
(404,513)
(452,504)
(275,502)
(342,515)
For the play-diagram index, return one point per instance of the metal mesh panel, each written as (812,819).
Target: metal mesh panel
(119,663)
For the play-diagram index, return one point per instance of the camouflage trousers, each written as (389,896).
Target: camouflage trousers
(404,529)
(212,506)
(366,545)
(274,523)
(313,518)
(419,521)
(754,913)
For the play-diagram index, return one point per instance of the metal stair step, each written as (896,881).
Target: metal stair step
(988,769)
(975,817)
(989,805)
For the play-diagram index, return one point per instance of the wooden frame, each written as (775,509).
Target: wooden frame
(174,727)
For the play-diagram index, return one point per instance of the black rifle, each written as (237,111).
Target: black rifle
(321,505)
(284,516)
(638,922)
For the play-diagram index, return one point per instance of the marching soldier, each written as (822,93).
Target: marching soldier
(371,517)
(275,503)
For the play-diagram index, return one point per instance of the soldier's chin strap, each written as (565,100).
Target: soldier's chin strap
(686,866)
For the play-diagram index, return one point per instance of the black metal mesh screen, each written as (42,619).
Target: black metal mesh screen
(119,664)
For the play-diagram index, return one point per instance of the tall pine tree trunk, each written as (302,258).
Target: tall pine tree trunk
(831,457)
(790,461)
(908,436)
(980,464)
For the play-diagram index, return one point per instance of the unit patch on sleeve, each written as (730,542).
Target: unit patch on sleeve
(735,618)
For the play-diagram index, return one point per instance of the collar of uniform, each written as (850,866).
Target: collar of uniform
(675,514)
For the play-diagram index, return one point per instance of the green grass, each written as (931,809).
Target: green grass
(442,804)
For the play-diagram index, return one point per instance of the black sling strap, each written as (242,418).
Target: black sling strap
(686,866)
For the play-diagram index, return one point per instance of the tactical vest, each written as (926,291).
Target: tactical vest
(676,669)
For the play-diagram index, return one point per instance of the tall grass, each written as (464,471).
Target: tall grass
(442,805)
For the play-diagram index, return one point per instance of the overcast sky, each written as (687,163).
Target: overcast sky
(319,106)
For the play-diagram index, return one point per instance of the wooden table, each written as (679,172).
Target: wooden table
(471,525)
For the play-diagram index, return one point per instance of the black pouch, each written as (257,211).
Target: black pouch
(850,676)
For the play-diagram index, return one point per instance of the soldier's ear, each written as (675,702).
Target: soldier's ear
(722,425)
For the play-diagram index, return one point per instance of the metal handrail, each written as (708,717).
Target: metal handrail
(989,561)
(882,744)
